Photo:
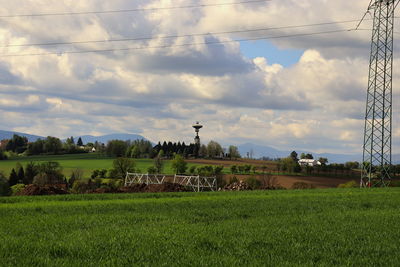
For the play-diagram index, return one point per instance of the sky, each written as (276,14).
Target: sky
(306,92)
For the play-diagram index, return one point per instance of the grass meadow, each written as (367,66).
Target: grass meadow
(271,228)
(85,162)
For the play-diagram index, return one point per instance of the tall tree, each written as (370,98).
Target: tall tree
(179,165)
(52,145)
(294,155)
(4,186)
(158,163)
(13,180)
(323,161)
(117,148)
(80,142)
(122,166)
(17,144)
(31,170)
(21,175)
(214,150)
(234,152)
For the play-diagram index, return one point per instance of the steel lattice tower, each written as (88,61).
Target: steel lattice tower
(377,155)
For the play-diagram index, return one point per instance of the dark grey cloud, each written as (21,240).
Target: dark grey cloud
(215,62)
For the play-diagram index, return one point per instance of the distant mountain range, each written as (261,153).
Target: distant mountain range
(258,151)
(266,151)
(105,138)
(9,135)
(85,138)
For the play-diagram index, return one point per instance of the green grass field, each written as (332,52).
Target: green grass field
(270,228)
(85,162)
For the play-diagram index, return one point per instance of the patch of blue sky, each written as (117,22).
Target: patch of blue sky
(273,54)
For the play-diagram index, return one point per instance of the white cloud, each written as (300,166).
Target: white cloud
(316,104)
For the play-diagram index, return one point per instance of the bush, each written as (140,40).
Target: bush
(351,184)
(41,179)
(151,170)
(395,183)
(179,165)
(109,183)
(49,173)
(15,189)
(3,156)
(4,186)
(233,180)
(270,182)
(302,185)
(192,170)
(254,183)
(80,186)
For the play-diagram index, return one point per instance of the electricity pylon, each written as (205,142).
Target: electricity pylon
(377,155)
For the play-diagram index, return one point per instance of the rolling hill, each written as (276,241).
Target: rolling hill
(105,138)
(9,135)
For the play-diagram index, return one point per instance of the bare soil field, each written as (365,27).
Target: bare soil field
(228,163)
(287,181)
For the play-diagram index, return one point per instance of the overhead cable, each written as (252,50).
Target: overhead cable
(178,36)
(176,45)
(132,10)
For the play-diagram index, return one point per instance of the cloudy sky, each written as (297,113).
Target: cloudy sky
(303,92)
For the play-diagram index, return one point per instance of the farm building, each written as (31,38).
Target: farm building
(309,162)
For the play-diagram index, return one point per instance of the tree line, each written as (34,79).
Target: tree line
(19,145)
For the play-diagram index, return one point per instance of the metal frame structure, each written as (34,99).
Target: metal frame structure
(140,178)
(197,183)
(377,154)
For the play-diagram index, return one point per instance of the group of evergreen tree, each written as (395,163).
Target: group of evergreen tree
(41,174)
(49,146)
(21,175)
(17,144)
(170,149)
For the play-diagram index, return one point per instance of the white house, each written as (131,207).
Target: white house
(309,162)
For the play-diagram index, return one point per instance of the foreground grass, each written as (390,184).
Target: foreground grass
(281,228)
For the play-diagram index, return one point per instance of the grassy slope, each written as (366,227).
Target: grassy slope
(292,228)
(86,162)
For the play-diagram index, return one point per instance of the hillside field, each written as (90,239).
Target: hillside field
(93,161)
(85,162)
(275,228)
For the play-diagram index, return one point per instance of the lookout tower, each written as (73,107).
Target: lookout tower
(197,126)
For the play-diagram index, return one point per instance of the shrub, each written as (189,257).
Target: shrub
(3,156)
(233,180)
(351,184)
(234,169)
(192,170)
(15,189)
(95,174)
(49,173)
(179,165)
(395,183)
(218,170)
(4,186)
(254,183)
(41,179)
(151,170)
(302,185)
(80,186)
(269,182)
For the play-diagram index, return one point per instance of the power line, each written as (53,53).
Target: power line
(132,10)
(179,36)
(177,45)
